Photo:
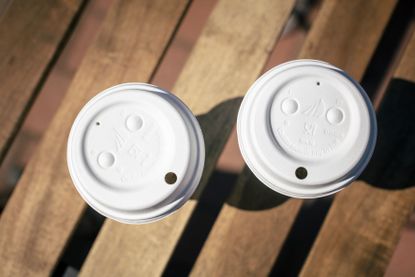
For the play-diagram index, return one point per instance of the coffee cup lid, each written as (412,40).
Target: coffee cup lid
(306,129)
(135,153)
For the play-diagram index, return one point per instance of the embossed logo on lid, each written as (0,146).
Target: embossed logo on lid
(135,153)
(306,129)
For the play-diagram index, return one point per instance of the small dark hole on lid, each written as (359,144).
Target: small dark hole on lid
(301,173)
(318,83)
(97,123)
(170,178)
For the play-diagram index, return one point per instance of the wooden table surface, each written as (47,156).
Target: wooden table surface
(363,224)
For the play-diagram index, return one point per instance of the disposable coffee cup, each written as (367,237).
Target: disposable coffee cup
(135,153)
(306,129)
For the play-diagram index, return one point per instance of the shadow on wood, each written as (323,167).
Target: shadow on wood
(212,135)
(251,193)
(393,163)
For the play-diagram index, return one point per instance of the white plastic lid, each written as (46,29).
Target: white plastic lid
(306,129)
(135,153)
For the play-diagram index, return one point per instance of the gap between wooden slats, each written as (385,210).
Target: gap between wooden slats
(45,207)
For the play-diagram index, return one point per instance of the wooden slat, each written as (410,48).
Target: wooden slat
(363,226)
(30,33)
(227,58)
(45,207)
(249,232)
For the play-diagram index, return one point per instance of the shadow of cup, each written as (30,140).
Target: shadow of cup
(248,192)
(393,162)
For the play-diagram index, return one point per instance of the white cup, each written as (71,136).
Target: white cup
(135,153)
(306,129)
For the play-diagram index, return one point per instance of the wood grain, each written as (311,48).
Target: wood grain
(45,207)
(227,58)
(248,232)
(348,44)
(31,32)
(363,226)
(246,238)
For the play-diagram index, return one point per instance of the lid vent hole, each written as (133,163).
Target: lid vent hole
(170,178)
(301,173)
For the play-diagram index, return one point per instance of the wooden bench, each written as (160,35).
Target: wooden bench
(362,227)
